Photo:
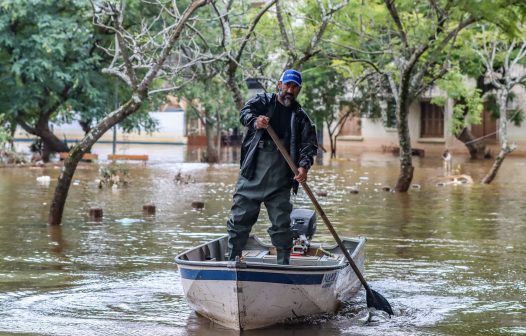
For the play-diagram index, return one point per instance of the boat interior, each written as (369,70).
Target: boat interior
(257,251)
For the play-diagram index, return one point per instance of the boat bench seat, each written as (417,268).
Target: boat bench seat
(255,253)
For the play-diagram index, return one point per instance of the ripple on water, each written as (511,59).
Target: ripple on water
(133,303)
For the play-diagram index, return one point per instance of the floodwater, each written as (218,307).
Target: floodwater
(450,260)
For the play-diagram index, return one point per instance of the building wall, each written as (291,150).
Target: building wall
(171,131)
(376,137)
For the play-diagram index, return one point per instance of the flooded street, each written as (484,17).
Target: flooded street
(451,260)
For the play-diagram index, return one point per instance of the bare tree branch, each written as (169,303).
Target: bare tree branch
(252,28)
(396,18)
(226,41)
(173,38)
(284,35)
(360,51)
(117,19)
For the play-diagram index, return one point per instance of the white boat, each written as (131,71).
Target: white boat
(255,292)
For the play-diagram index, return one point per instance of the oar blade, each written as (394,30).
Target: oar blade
(377,301)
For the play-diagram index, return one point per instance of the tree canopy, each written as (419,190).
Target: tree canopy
(52,64)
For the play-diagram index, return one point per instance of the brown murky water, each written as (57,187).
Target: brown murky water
(451,260)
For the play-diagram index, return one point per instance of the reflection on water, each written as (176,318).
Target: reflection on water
(449,259)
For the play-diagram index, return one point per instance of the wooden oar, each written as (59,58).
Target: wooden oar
(374,299)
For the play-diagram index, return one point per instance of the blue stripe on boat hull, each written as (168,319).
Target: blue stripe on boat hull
(281,278)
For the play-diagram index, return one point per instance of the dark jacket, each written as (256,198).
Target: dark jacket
(303,141)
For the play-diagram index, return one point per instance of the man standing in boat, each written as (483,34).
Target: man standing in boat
(265,176)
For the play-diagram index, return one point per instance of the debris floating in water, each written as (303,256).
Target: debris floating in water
(454,180)
(44,180)
(128,221)
(183,179)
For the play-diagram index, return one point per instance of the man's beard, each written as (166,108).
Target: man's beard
(286,99)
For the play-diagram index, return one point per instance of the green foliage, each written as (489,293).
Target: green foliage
(465,56)
(47,52)
(323,86)
(211,96)
(468,101)
(366,31)
(51,65)
(486,42)
(516,116)
(492,106)
(505,14)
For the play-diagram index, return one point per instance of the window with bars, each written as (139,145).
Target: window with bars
(431,120)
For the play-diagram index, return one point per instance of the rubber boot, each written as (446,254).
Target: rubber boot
(283,257)
(233,254)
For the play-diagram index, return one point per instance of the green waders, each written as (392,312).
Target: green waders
(271,185)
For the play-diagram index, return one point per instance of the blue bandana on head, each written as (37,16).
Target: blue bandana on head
(291,76)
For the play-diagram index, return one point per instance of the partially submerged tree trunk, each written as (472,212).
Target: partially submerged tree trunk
(140,91)
(211,149)
(70,164)
(218,130)
(406,160)
(334,128)
(476,150)
(505,148)
(496,166)
(333,142)
(210,133)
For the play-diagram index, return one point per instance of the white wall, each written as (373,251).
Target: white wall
(171,131)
